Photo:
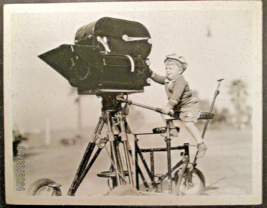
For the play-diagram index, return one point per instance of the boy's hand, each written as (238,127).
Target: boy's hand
(166,109)
(150,72)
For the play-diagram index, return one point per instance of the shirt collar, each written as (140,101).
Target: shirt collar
(173,80)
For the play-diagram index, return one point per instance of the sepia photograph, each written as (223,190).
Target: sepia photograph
(133,103)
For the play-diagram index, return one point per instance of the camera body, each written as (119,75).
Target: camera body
(109,55)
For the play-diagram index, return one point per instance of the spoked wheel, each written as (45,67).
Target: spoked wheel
(192,183)
(44,187)
(124,190)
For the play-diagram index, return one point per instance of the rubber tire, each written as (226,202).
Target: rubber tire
(201,186)
(33,189)
(124,190)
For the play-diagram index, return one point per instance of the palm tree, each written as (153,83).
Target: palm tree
(239,95)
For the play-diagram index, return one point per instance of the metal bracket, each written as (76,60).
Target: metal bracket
(104,42)
(94,137)
(131,61)
(102,142)
(126,38)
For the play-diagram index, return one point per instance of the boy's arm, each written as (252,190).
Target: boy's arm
(157,78)
(178,90)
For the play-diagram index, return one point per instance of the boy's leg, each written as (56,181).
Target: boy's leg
(194,131)
(202,148)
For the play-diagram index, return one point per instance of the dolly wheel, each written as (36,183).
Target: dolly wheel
(192,183)
(44,187)
(124,190)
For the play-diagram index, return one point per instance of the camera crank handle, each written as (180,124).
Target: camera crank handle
(159,110)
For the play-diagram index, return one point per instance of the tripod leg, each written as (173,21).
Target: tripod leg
(138,169)
(142,177)
(128,162)
(86,157)
(79,181)
(120,166)
(113,150)
(112,169)
(146,167)
(124,139)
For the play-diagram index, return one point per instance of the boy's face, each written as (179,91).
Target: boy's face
(172,70)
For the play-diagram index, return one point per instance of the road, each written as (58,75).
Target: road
(227,166)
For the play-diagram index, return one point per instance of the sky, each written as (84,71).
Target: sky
(218,41)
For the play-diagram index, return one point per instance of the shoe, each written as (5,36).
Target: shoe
(201,149)
(173,133)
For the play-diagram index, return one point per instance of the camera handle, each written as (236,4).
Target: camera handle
(127,38)
(159,110)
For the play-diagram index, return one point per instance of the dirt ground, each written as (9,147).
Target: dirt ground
(227,166)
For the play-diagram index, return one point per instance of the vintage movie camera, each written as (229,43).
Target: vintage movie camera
(109,55)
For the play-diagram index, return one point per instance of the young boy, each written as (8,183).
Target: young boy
(180,98)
